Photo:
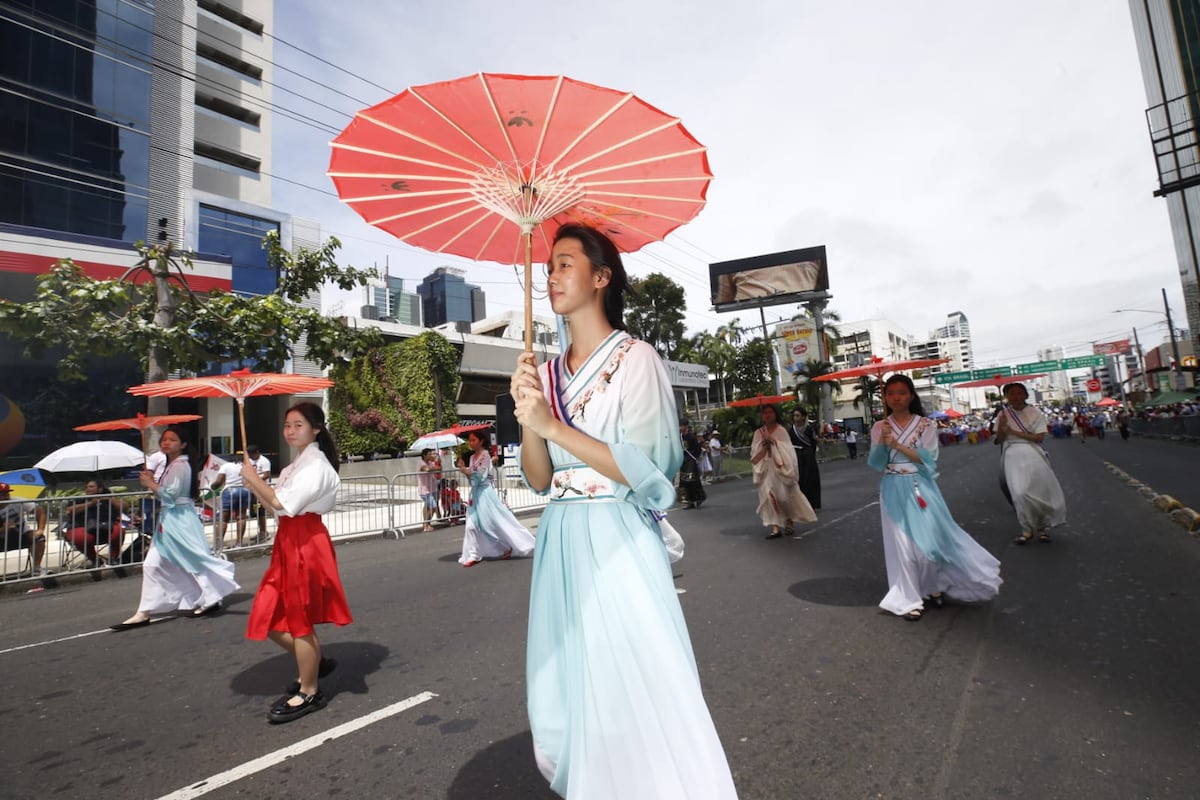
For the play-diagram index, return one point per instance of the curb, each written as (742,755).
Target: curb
(1181,515)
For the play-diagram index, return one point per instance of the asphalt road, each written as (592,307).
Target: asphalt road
(1080,681)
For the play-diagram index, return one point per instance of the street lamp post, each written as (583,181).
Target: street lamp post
(1176,368)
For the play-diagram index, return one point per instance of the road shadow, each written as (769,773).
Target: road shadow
(839,590)
(504,770)
(356,660)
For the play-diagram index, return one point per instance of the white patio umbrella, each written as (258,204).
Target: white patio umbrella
(435,441)
(92,457)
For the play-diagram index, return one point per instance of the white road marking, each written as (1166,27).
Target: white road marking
(826,523)
(229,776)
(63,639)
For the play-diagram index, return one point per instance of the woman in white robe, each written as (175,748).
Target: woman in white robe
(773,459)
(491,531)
(928,556)
(1036,494)
(614,696)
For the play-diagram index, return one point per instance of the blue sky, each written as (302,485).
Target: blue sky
(985,158)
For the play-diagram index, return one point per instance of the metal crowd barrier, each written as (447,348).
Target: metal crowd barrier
(366,505)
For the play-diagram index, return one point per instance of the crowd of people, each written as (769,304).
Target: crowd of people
(601,440)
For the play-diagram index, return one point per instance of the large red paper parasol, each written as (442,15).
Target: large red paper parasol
(474,166)
(760,400)
(140,423)
(238,384)
(877,367)
(998,380)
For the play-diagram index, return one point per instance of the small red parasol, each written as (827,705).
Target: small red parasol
(139,423)
(876,367)
(475,167)
(238,384)
(760,400)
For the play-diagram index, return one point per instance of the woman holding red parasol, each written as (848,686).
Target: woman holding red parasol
(599,435)
(301,587)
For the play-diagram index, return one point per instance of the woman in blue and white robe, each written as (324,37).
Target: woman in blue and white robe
(491,531)
(927,554)
(614,696)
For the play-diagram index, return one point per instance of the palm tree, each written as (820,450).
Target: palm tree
(868,387)
(716,354)
(732,332)
(810,388)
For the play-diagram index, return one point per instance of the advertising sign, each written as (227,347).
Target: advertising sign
(769,280)
(797,345)
(1119,347)
(1093,384)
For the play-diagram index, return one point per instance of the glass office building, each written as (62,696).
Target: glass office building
(75,116)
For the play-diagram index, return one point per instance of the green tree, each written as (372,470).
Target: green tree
(388,397)
(868,388)
(752,369)
(810,389)
(654,313)
(152,313)
(717,354)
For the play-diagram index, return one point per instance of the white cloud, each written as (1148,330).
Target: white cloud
(989,159)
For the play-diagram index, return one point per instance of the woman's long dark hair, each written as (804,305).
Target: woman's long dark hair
(315,417)
(601,251)
(914,405)
(192,456)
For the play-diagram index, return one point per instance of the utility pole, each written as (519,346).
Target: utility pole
(1141,362)
(771,349)
(1177,369)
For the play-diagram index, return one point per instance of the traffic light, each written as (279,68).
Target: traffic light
(162,228)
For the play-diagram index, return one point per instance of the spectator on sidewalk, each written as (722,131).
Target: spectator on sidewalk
(715,454)
(92,521)
(17,534)
(429,474)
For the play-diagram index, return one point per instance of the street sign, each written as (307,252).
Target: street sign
(990,372)
(952,377)
(1078,362)
(1036,367)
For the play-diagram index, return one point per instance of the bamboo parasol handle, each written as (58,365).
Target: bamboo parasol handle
(529,291)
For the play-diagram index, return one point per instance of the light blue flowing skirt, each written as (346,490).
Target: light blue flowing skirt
(926,551)
(615,703)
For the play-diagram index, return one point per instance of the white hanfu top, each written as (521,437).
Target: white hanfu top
(308,485)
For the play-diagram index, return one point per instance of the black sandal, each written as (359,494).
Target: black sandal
(937,600)
(913,616)
(774,534)
(1024,538)
(324,669)
(1044,537)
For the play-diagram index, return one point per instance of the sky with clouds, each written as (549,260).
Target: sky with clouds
(991,159)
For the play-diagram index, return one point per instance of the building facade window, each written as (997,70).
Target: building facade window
(240,237)
(75,117)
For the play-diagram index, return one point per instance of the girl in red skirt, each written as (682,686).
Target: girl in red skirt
(301,587)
